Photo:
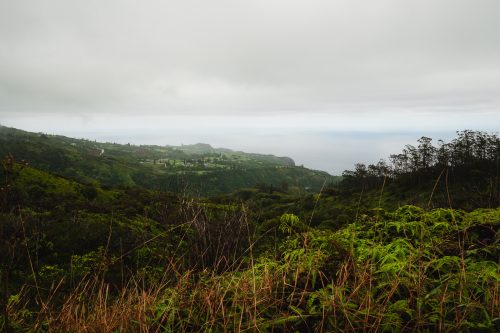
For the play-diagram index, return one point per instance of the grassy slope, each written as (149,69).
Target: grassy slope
(155,167)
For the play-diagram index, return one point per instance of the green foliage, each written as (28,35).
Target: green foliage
(82,265)
(290,223)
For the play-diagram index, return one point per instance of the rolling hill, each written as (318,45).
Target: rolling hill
(197,169)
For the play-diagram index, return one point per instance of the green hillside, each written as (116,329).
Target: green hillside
(206,149)
(198,169)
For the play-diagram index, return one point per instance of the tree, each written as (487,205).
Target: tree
(426,152)
(444,154)
(413,157)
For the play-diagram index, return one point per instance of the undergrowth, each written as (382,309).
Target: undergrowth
(405,270)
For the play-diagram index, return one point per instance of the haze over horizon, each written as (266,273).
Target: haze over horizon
(328,83)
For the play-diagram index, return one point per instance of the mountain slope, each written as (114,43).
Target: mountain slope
(198,169)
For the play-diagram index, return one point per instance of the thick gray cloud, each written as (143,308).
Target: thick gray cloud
(248,56)
(342,65)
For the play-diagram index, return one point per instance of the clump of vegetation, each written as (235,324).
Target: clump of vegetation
(462,173)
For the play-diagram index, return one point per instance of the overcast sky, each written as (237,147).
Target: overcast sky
(328,83)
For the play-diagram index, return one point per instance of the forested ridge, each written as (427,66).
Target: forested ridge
(469,165)
(406,245)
